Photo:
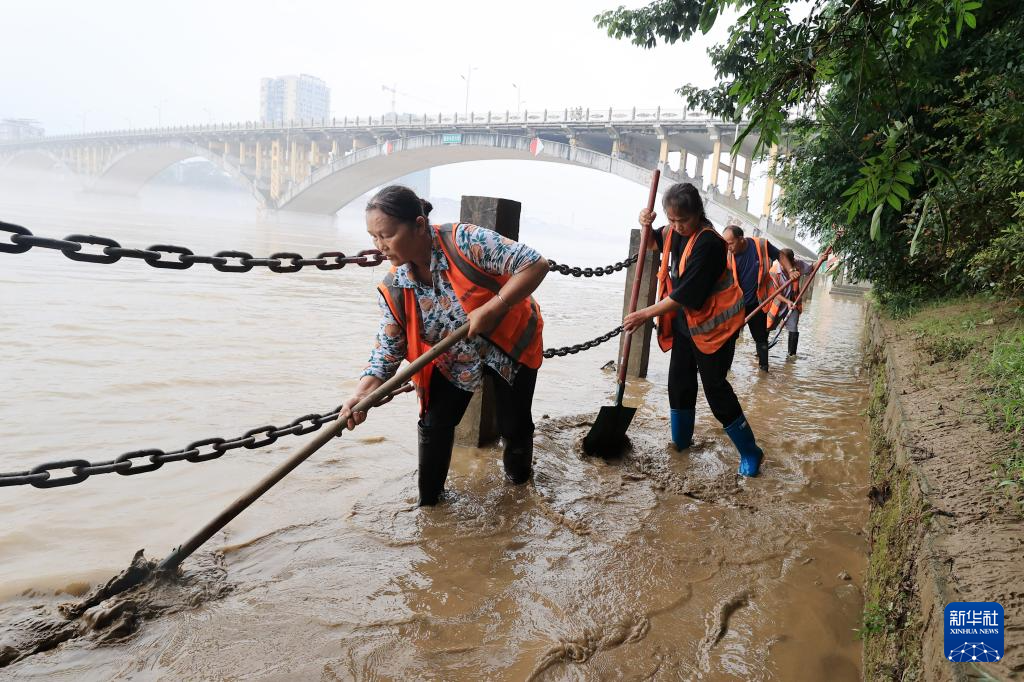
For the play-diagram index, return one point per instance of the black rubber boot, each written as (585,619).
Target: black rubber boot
(793,338)
(518,460)
(435,456)
(762,356)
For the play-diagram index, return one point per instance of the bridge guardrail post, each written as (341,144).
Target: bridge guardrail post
(480,424)
(640,349)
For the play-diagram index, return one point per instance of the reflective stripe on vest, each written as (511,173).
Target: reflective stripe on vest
(466,269)
(705,327)
(763,266)
(721,316)
(519,332)
(396,299)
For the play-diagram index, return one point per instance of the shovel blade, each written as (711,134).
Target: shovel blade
(607,437)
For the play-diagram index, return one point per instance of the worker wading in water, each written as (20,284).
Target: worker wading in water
(441,277)
(753,257)
(784,306)
(700,314)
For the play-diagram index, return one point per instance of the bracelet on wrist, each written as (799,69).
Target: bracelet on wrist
(502,299)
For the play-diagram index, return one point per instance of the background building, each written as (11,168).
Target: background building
(289,98)
(20,129)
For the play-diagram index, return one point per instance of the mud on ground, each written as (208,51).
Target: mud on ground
(941,529)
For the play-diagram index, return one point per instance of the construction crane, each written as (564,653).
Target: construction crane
(393,89)
(394,93)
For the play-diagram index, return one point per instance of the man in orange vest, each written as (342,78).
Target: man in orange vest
(699,313)
(753,257)
(443,276)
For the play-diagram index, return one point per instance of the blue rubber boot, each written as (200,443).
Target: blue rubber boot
(743,438)
(682,427)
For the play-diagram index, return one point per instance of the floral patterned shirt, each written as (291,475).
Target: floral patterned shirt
(442,313)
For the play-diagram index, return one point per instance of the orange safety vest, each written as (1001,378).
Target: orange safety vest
(764,279)
(721,316)
(777,308)
(518,334)
(763,267)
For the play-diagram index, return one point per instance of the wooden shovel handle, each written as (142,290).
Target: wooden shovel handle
(638,273)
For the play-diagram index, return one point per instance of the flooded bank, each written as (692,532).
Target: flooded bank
(662,565)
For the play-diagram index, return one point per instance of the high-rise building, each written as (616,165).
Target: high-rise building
(20,129)
(292,98)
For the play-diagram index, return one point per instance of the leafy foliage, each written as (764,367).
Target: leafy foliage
(901,120)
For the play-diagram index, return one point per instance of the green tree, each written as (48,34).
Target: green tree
(898,119)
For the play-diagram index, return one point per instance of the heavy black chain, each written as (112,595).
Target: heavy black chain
(143,461)
(590,272)
(181,258)
(580,347)
(206,449)
(178,257)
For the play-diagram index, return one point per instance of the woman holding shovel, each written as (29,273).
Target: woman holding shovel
(700,313)
(443,276)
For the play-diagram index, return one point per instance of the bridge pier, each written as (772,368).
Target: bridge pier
(716,158)
(276,170)
(769,188)
(732,176)
(745,187)
(279,160)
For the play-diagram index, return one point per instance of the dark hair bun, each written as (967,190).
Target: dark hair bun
(399,202)
(685,199)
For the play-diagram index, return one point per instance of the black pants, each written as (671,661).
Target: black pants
(758,325)
(447,404)
(445,408)
(687,362)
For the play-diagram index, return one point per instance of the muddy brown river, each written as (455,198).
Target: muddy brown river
(662,566)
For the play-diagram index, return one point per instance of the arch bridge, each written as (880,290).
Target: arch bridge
(318,166)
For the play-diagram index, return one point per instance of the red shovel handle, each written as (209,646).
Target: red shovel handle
(641,261)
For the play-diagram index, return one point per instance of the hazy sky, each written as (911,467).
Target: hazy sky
(106,63)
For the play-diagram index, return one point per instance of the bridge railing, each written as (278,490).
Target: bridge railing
(600,116)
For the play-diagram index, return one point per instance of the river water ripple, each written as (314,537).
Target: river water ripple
(661,566)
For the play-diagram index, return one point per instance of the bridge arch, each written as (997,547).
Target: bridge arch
(331,187)
(37,160)
(132,168)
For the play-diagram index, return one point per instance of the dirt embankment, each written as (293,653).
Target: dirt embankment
(941,528)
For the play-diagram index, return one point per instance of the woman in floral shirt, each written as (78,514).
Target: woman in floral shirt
(437,273)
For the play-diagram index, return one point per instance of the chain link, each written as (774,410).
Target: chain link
(20,239)
(563,269)
(143,461)
(580,347)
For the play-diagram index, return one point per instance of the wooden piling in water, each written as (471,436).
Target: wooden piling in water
(479,426)
(640,349)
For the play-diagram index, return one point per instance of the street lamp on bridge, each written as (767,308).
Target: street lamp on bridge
(519,98)
(159,106)
(469,72)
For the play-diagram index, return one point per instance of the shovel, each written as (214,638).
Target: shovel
(607,435)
